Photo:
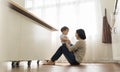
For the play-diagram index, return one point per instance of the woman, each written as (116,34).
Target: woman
(74,54)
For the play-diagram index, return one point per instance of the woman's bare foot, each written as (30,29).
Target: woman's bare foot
(49,63)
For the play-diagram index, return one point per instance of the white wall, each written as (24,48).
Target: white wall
(0,31)
(22,38)
(2,49)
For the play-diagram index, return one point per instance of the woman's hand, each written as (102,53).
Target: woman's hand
(68,43)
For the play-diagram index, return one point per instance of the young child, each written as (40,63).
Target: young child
(64,37)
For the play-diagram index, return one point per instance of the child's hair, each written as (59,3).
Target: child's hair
(64,28)
(81,33)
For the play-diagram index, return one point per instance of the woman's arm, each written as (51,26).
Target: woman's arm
(74,47)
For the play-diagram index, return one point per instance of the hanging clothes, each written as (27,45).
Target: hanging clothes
(106,35)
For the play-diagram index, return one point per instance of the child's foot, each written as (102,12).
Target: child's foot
(49,63)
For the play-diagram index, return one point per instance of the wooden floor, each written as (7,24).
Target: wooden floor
(65,67)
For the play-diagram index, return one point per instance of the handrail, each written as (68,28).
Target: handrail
(21,10)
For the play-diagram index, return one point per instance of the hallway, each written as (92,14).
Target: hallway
(24,36)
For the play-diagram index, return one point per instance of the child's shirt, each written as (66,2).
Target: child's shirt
(63,36)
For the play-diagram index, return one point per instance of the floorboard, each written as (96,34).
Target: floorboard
(65,67)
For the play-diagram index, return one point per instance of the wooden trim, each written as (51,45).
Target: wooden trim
(115,7)
(21,10)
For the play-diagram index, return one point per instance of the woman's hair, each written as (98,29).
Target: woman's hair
(64,28)
(81,33)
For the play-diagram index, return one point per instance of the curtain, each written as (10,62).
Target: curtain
(106,37)
(75,14)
